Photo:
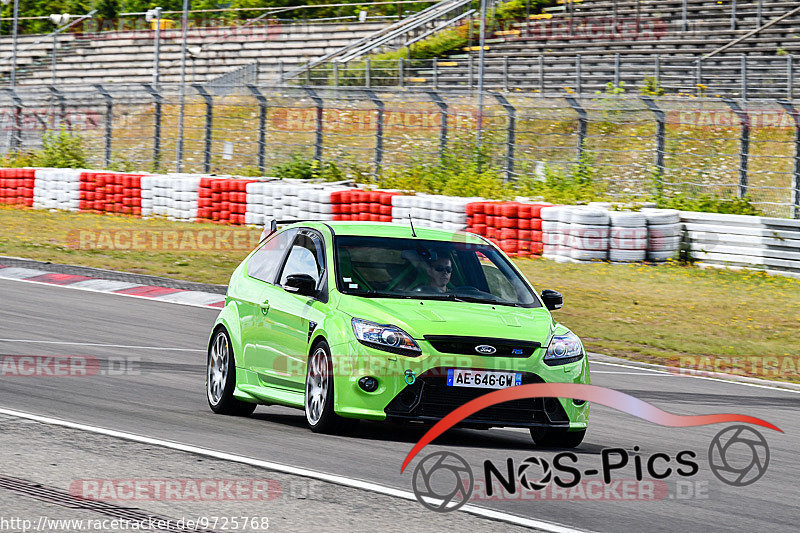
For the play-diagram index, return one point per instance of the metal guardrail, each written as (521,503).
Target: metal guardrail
(400,29)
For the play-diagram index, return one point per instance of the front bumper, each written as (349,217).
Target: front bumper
(429,398)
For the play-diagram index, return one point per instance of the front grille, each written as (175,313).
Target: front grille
(467,346)
(429,398)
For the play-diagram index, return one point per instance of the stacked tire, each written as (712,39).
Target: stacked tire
(57,188)
(588,234)
(16,186)
(552,237)
(663,232)
(433,211)
(628,241)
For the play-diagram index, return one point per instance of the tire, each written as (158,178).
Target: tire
(589,216)
(626,256)
(628,233)
(629,244)
(319,395)
(664,230)
(221,378)
(550,214)
(624,219)
(588,255)
(662,216)
(661,256)
(557,438)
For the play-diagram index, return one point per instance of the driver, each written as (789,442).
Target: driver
(439,272)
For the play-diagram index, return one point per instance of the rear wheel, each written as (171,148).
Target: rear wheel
(221,378)
(319,394)
(557,438)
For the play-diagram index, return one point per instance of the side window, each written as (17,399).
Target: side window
(305,257)
(264,264)
(498,283)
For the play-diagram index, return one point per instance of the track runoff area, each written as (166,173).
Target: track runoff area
(133,420)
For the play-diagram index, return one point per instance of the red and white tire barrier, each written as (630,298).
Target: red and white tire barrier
(561,233)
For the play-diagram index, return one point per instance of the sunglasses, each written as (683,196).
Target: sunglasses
(440,268)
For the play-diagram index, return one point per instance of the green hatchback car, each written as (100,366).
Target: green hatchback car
(375,321)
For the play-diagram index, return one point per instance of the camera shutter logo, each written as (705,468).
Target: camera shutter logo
(443,482)
(526,475)
(738,456)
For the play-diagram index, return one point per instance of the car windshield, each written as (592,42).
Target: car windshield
(379,267)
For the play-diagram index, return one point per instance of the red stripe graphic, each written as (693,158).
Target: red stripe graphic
(148,291)
(591,393)
(58,279)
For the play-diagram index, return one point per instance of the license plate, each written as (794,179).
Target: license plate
(482,379)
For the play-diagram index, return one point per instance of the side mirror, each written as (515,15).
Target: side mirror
(552,299)
(301,284)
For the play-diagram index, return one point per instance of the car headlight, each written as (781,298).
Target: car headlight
(385,337)
(563,349)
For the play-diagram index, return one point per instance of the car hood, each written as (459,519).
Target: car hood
(434,317)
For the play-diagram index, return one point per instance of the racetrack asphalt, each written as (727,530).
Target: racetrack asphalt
(164,398)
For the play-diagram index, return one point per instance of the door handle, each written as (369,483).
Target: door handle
(264,308)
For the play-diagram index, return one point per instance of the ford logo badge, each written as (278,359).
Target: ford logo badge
(485,349)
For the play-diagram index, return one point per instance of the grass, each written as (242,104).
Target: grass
(649,313)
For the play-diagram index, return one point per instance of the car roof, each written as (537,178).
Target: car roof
(388,230)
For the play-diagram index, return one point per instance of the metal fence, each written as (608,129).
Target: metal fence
(638,145)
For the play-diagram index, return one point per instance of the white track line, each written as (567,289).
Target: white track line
(322,476)
(29,341)
(593,372)
(718,380)
(148,298)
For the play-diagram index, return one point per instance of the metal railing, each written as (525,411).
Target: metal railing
(637,146)
(402,30)
(735,75)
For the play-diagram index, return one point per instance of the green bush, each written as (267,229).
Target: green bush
(60,149)
(709,204)
(299,167)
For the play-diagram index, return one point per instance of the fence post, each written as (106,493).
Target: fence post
(744,150)
(795,196)
(471,75)
(435,72)
(683,16)
(319,105)
(658,69)
(510,135)
(505,73)
(335,74)
(109,121)
(733,14)
(401,72)
(209,125)
(437,99)
(578,87)
(698,75)
(157,124)
(16,126)
(582,121)
(62,107)
(367,73)
(789,77)
(378,103)
(616,70)
(744,77)
(758,13)
(262,126)
(661,119)
(541,75)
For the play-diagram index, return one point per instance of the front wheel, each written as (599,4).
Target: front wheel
(319,394)
(221,378)
(557,438)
